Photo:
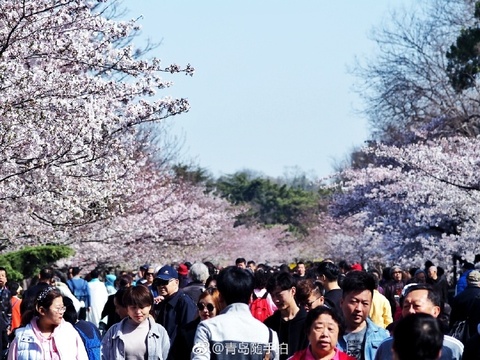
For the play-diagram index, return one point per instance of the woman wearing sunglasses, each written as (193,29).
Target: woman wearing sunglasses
(47,335)
(208,306)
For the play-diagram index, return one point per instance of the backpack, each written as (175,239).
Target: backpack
(92,345)
(260,308)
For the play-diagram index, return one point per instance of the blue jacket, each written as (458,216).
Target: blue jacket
(79,288)
(462,282)
(374,336)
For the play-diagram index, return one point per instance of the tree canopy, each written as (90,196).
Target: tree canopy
(28,262)
(268,202)
(464,56)
(406,84)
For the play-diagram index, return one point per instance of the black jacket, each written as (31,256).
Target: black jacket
(467,305)
(290,332)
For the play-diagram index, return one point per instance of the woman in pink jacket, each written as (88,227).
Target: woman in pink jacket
(47,335)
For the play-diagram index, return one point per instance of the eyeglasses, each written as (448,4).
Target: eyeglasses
(150,274)
(309,305)
(201,306)
(161,282)
(60,310)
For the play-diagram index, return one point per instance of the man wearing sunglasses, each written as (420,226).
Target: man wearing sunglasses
(177,308)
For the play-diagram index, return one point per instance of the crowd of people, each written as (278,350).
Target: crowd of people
(325,310)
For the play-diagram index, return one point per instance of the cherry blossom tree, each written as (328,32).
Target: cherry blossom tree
(275,245)
(75,167)
(157,218)
(417,202)
(167,226)
(343,238)
(272,245)
(414,196)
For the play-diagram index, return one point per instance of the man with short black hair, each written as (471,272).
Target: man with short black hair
(327,274)
(44,280)
(362,337)
(252,266)
(422,298)
(417,336)
(235,333)
(79,288)
(300,271)
(288,321)
(241,263)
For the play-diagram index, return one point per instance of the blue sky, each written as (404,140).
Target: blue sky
(271,89)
